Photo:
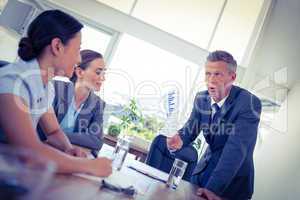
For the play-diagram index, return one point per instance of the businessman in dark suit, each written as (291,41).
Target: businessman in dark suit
(228,116)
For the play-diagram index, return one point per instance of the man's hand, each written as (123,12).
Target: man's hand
(175,142)
(207,194)
(76,151)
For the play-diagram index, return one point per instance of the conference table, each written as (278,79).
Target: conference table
(85,187)
(139,152)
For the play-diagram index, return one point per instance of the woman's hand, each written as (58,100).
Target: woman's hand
(76,151)
(100,167)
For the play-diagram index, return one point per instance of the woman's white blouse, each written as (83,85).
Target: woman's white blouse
(24,80)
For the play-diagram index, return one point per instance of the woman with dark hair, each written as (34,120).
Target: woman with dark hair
(78,109)
(52,46)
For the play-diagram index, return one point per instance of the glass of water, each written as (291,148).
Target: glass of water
(176,173)
(120,152)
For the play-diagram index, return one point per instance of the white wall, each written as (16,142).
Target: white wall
(277,162)
(278,48)
(277,159)
(277,156)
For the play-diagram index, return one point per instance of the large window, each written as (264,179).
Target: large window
(95,39)
(143,71)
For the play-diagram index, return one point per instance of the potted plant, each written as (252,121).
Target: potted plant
(198,145)
(142,129)
(114,130)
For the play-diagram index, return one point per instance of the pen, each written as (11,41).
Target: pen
(147,174)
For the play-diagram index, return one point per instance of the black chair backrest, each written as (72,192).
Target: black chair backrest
(3,63)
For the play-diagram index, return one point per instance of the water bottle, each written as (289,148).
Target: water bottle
(120,152)
(172,102)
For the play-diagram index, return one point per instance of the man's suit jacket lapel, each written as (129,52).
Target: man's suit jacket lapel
(205,117)
(228,104)
(229,101)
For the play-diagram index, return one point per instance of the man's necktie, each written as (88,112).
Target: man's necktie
(214,125)
(216,112)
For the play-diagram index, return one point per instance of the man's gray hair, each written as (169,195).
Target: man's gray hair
(223,56)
